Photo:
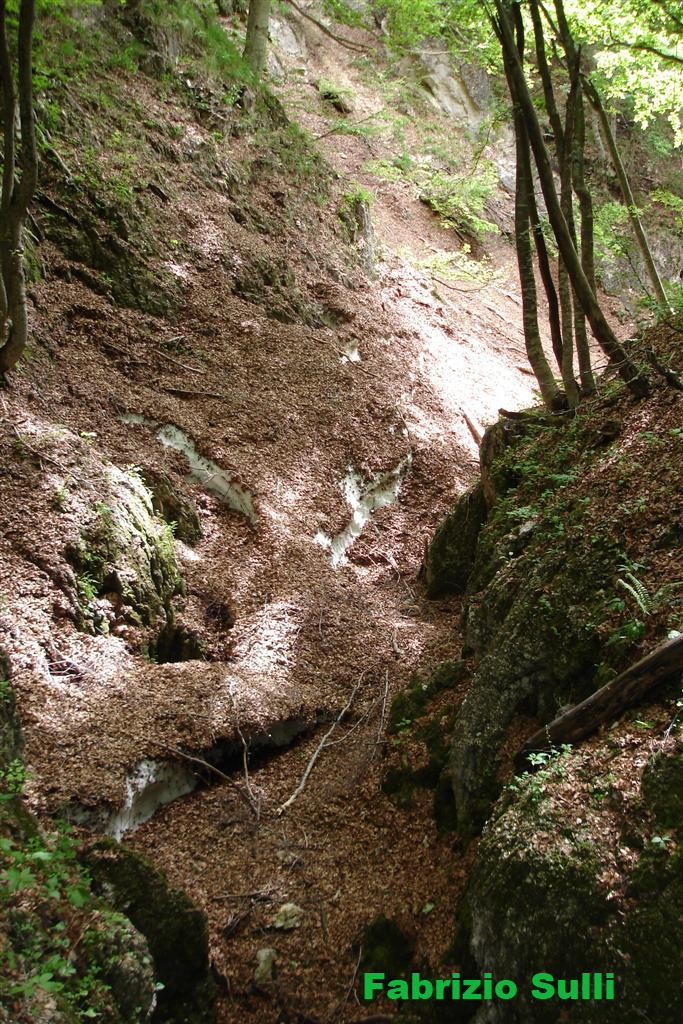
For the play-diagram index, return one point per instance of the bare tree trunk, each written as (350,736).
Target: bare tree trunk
(563,145)
(256,45)
(627,194)
(587,251)
(637,383)
(544,265)
(525,201)
(537,359)
(16,195)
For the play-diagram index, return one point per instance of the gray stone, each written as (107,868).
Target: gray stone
(265,967)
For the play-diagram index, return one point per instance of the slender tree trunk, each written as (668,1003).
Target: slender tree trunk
(534,347)
(638,384)
(563,144)
(627,194)
(524,203)
(587,252)
(544,264)
(567,302)
(256,45)
(16,195)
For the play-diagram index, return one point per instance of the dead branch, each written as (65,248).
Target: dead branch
(253,797)
(318,750)
(609,701)
(383,714)
(343,41)
(669,376)
(189,393)
(176,362)
(192,759)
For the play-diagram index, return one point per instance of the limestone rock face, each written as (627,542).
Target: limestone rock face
(532,630)
(536,902)
(174,927)
(451,554)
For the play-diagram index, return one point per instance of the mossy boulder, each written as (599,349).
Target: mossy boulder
(52,925)
(534,630)
(387,948)
(451,553)
(536,901)
(174,927)
(11,741)
(173,507)
(128,554)
(662,787)
(122,955)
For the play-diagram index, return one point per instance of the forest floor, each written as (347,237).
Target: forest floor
(292,416)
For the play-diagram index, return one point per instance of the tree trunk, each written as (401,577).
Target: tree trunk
(544,266)
(609,702)
(637,383)
(256,45)
(524,200)
(587,250)
(563,147)
(627,194)
(534,347)
(16,196)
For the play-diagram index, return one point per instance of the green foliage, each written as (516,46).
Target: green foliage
(670,202)
(458,198)
(550,766)
(46,894)
(192,35)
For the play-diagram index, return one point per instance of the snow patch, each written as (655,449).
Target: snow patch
(350,353)
(202,470)
(149,786)
(364,498)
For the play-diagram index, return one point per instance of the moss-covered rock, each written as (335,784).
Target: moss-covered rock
(63,951)
(534,629)
(174,927)
(662,787)
(176,509)
(128,553)
(387,949)
(11,742)
(450,556)
(412,702)
(536,901)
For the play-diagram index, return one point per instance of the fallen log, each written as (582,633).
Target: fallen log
(608,702)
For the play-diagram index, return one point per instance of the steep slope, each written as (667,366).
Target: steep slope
(199,308)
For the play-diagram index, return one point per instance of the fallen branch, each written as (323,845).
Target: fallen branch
(669,376)
(176,362)
(348,43)
(318,751)
(609,701)
(212,768)
(382,717)
(189,393)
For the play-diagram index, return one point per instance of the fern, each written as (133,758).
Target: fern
(636,589)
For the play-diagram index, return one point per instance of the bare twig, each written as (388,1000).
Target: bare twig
(348,43)
(382,717)
(188,392)
(176,362)
(318,750)
(212,768)
(339,1008)
(254,797)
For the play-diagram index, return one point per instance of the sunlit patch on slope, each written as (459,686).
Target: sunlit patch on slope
(364,498)
(202,470)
